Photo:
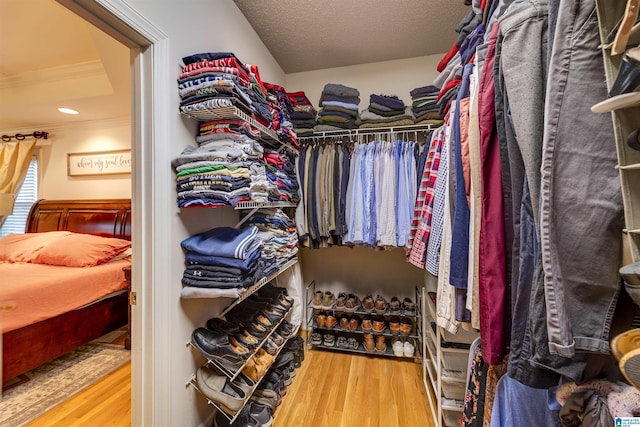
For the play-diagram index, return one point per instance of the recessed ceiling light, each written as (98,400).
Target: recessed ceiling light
(67,110)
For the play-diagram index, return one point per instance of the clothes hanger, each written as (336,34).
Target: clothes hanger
(626,25)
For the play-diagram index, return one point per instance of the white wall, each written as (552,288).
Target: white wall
(361,271)
(83,137)
(192,26)
(396,77)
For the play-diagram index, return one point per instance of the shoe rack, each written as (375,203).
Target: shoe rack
(355,337)
(625,120)
(232,373)
(445,365)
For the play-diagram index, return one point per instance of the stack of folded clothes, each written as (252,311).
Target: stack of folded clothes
(278,235)
(263,108)
(281,121)
(217,172)
(221,259)
(339,108)
(385,110)
(303,115)
(281,177)
(214,80)
(424,105)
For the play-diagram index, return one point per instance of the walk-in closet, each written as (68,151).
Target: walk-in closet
(378,213)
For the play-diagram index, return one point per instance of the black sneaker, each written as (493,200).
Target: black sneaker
(329,340)
(316,338)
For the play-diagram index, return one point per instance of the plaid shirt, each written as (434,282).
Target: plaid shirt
(421,224)
(437,218)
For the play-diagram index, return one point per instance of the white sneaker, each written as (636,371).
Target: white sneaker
(409,349)
(398,348)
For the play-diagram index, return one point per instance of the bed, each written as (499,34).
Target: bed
(29,340)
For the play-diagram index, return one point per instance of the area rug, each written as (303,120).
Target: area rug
(56,381)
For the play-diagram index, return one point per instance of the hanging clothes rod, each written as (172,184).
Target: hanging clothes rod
(366,131)
(22,136)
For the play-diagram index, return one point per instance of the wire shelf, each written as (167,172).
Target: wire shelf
(259,205)
(254,288)
(234,113)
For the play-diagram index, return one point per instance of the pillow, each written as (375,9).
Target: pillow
(23,247)
(80,250)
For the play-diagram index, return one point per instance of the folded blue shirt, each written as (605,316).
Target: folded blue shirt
(221,261)
(224,242)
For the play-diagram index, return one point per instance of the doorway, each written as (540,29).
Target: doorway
(149,47)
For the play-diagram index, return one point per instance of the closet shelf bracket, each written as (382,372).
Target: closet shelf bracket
(254,206)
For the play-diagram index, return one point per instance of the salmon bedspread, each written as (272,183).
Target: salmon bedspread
(40,291)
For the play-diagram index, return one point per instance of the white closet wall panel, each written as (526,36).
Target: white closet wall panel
(361,271)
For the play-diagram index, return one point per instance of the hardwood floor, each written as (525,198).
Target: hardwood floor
(105,403)
(342,390)
(330,389)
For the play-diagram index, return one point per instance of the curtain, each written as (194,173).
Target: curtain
(14,162)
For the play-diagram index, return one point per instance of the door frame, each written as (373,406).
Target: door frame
(149,133)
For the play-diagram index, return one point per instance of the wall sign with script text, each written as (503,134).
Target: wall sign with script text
(99,163)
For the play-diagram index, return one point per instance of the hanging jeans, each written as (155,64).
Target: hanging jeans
(580,206)
(524,66)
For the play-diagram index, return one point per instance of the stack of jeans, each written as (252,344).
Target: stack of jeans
(424,106)
(339,108)
(223,257)
(213,80)
(303,114)
(384,111)
(278,235)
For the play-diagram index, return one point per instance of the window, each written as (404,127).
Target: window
(16,222)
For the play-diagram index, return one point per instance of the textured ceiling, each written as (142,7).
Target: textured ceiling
(306,35)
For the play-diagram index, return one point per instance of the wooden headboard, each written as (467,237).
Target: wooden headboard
(107,217)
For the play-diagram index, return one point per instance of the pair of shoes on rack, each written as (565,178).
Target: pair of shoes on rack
(341,299)
(256,366)
(325,320)
(316,338)
(406,326)
(349,323)
(220,390)
(329,340)
(276,293)
(403,349)
(381,344)
(626,349)
(240,334)
(323,301)
(408,307)
(352,303)
(220,347)
(395,306)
